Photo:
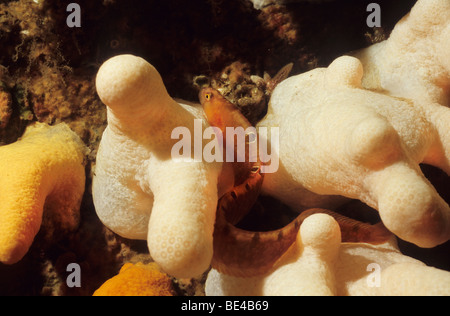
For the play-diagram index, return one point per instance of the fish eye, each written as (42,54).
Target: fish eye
(255,169)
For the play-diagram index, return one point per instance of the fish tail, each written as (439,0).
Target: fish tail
(243,253)
(353,230)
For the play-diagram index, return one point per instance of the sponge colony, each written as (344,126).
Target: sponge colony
(138,280)
(41,173)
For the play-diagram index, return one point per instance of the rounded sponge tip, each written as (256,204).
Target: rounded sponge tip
(128,81)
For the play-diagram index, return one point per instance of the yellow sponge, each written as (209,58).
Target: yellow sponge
(138,280)
(42,172)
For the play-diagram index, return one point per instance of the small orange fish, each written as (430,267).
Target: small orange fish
(247,176)
(247,254)
(243,253)
(220,112)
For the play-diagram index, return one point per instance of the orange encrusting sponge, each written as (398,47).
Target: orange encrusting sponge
(138,280)
(43,172)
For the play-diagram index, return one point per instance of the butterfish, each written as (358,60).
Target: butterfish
(244,253)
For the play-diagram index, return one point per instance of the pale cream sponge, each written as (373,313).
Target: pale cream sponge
(415,61)
(319,264)
(139,191)
(337,138)
(307,268)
